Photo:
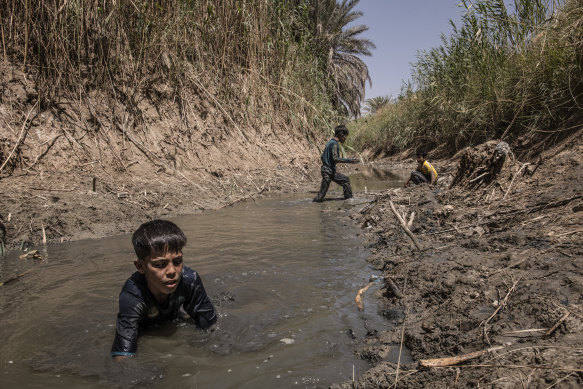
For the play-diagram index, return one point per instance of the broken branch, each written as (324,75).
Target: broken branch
(557,324)
(449,361)
(404,225)
(515,174)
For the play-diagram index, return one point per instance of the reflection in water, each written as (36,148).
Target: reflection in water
(282,274)
(374,178)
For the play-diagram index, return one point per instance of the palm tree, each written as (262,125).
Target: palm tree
(339,46)
(374,104)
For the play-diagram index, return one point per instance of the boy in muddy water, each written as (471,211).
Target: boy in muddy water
(162,289)
(425,172)
(330,157)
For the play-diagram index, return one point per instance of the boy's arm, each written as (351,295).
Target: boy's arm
(336,156)
(125,343)
(199,305)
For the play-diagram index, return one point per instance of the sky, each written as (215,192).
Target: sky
(399,29)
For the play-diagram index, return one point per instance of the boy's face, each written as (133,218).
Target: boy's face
(162,273)
(420,159)
(342,138)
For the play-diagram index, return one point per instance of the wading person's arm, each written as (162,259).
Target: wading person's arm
(338,159)
(433,180)
(198,305)
(125,343)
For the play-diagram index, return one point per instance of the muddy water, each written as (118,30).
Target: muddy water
(283,273)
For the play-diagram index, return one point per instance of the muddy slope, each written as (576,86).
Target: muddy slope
(498,272)
(102,164)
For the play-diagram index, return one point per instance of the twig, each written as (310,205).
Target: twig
(449,361)
(404,225)
(401,347)
(503,303)
(410,222)
(477,178)
(561,380)
(523,331)
(515,174)
(52,190)
(145,150)
(394,288)
(54,229)
(515,263)
(557,324)
(569,233)
(39,157)
(88,163)
(524,367)
(21,137)
(249,196)
(355,204)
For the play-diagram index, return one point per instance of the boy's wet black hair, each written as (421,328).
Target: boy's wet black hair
(341,129)
(157,237)
(421,153)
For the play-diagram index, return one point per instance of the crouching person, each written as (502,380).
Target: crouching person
(425,172)
(161,289)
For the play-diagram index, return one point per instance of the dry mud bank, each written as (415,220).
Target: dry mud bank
(495,276)
(101,164)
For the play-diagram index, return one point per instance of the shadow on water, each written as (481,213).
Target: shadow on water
(282,273)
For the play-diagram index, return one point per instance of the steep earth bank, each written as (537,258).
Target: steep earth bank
(492,273)
(102,164)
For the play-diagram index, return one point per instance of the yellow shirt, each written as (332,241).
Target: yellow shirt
(426,168)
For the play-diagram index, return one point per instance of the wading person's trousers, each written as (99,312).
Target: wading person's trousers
(419,178)
(329,175)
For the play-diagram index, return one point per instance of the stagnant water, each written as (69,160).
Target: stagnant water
(283,273)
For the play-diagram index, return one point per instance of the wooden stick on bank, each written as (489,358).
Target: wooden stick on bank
(449,361)
(557,324)
(404,225)
(513,178)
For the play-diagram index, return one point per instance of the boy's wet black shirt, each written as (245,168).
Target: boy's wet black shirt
(139,309)
(331,155)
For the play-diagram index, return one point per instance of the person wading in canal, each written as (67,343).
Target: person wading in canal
(162,289)
(330,157)
(425,171)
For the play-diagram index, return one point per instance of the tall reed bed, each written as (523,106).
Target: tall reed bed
(502,74)
(254,52)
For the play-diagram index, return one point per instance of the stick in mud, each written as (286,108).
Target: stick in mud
(557,324)
(450,361)
(394,288)
(404,225)
(511,182)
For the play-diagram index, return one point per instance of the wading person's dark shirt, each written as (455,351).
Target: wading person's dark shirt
(331,155)
(139,309)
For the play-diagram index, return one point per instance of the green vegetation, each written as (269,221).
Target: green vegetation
(501,74)
(292,58)
(376,103)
